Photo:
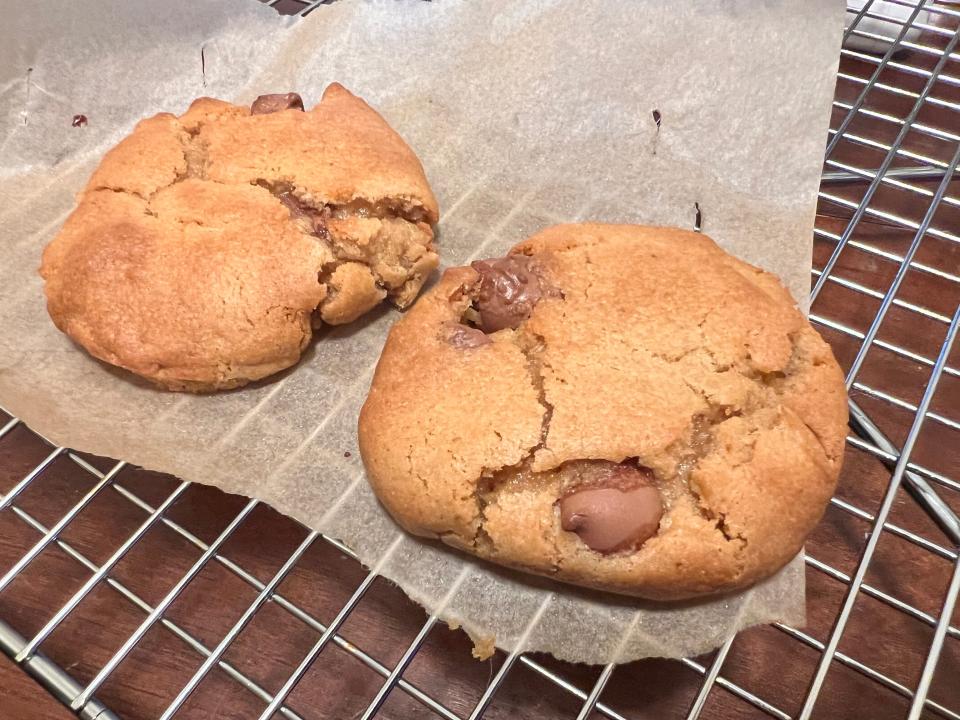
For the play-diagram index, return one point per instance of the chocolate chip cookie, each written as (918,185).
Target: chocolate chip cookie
(620,407)
(206,247)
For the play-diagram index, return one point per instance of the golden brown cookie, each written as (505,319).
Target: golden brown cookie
(621,407)
(206,246)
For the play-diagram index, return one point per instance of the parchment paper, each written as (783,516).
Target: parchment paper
(524,114)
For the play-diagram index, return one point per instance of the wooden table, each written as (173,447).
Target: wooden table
(765,662)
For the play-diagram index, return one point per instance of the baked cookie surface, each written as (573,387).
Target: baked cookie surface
(620,407)
(206,247)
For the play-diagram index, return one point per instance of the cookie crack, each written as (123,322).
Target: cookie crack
(531,346)
(481,538)
(816,436)
(706,425)
(673,358)
(588,261)
(388,209)
(718,367)
(410,266)
(121,191)
(764,380)
(195,154)
(699,391)
(774,381)
(698,446)
(413,471)
(556,562)
(728,534)
(320,220)
(195,157)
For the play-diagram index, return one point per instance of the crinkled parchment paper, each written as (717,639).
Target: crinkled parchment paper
(524,114)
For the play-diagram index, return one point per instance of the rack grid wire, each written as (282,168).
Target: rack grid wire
(885,291)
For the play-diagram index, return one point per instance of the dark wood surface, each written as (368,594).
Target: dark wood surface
(22,699)
(765,661)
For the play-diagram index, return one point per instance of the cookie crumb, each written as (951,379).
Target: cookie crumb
(657,117)
(347,454)
(79,121)
(483,647)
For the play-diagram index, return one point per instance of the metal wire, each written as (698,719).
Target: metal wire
(411,650)
(735,689)
(832,144)
(917,486)
(936,647)
(887,160)
(591,701)
(709,678)
(161,608)
(238,626)
(924,167)
(54,532)
(867,671)
(504,669)
(80,594)
(881,517)
(888,298)
(192,642)
(328,633)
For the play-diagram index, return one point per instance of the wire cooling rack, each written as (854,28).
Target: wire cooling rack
(127,594)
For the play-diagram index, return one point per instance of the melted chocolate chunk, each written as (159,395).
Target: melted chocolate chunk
(461,336)
(509,289)
(317,218)
(293,205)
(620,510)
(275,103)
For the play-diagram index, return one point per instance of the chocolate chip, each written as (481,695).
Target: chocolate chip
(275,103)
(619,512)
(461,336)
(509,289)
(657,117)
(79,121)
(347,454)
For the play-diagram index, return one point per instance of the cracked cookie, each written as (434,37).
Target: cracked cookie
(206,247)
(620,407)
